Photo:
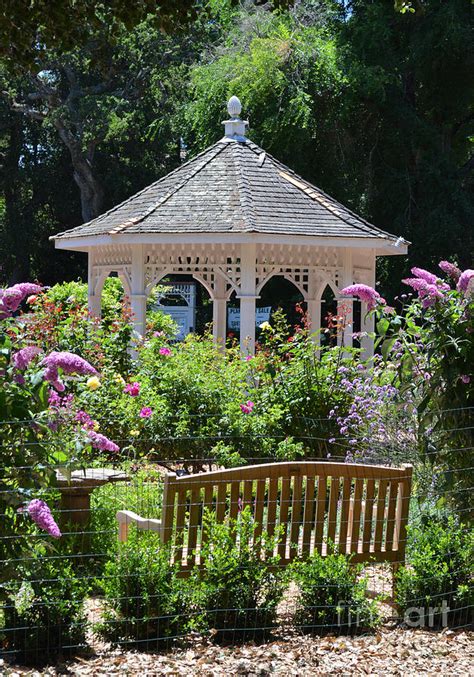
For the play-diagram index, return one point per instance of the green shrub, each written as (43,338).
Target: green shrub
(332,596)
(44,615)
(145,600)
(438,575)
(236,594)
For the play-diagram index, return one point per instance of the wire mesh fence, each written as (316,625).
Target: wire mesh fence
(315,544)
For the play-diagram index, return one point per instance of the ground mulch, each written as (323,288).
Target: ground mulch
(389,652)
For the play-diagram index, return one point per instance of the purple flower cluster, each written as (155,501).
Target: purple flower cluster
(85,420)
(132,389)
(450,269)
(11,297)
(466,281)
(366,419)
(69,363)
(247,407)
(22,358)
(102,442)
(41,514)
(429,287)
(364,293)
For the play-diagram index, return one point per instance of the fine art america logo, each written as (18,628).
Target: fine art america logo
(414,616)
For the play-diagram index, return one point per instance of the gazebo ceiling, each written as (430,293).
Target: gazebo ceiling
(233,191)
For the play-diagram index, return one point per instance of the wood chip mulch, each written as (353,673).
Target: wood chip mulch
(413,652)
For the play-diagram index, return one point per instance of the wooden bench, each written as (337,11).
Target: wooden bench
(361,509)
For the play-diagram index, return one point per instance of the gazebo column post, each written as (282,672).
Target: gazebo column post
(367,324)
(138,296)
(93,299)
(345,305)
(247,297)
(313,305)
(219,310)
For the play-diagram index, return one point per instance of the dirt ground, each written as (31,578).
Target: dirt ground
(397,651)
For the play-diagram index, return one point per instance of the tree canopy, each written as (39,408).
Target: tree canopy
(371,104)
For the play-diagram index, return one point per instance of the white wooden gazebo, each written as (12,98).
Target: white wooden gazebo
(232,217)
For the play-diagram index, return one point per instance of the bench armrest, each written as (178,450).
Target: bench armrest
(127,517)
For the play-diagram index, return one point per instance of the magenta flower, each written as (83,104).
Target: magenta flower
(165,351)
(364,293)
(429,293)
(85,420)
(146,412)
(101,442)
(41,514)
(247,407)
(11,297)
(464,282)
(22,358)
(132,389)
(423,274)
(450,269)
(465,378)
(69,363)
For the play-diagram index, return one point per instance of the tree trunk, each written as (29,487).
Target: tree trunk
(90,189)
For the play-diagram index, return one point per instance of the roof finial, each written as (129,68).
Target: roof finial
(234,107)
(235,127)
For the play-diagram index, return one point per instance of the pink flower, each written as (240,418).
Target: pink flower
(429,293)
(247,407)
(85,420)
(41,514)
(146,412)
(133,389)
(165,351)
(22,358)
(364,293)
(464,282)
(465,378)
(11,297)
(69,363)
(248,358)
(102,442)
(450,269)
(423,274)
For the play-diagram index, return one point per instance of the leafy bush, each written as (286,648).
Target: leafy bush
(438,576)
(236,594)
(332,596)
(146,602)
(44,614)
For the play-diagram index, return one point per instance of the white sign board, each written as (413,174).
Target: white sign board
(261,315)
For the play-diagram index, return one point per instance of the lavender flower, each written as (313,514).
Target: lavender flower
(22,358)
(364,293)
(450,269)
(423,274)
(102,442)
(11,297)
(41,514)
(464,282)
(69,363)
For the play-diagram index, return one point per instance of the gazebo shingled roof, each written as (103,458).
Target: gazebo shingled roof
(231,187)
(232,217)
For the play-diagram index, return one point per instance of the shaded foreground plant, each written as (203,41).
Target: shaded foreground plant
(332,596)
(236,593)
(44,613)
(436,587)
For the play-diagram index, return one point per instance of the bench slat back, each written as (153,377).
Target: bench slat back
(317,506)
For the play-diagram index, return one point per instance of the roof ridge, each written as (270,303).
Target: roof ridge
(243,184)
(132,222)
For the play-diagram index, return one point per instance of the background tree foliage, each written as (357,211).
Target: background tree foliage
(371,104)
